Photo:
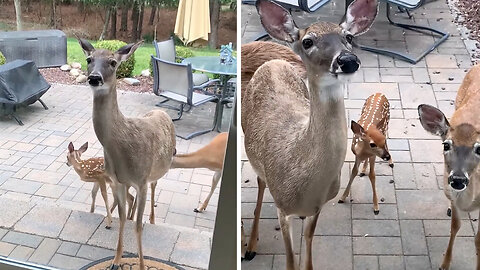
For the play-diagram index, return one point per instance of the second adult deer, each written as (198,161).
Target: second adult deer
(210,156)
(299,146)
(370,140)
(461,151)
(137,151)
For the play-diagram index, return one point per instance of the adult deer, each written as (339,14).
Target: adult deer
(210,156)
(461,150)
(137,151)
(298,147)
(370,140)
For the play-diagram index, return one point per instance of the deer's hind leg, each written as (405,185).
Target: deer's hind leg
(95,188)
(352,176)
(286,227)
(153,185)
(103,190)
(252,243)
(215,180)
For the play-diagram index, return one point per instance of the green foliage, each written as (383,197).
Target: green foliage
(2,59)
(147,38)
(126,68)
(183,52)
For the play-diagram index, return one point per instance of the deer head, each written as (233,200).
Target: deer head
(73,156)
(323,46)
(370,141)
(461,146)
(102,64)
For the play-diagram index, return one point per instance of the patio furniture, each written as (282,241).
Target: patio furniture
(20,84)
(211,64)
(407,5)
(305,5)
(174,81)
(47,48)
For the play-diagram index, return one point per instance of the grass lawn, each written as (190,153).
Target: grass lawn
(142,55)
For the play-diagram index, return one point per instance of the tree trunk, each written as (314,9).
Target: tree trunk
(105,25)
(123,24)
(140,21)
(18,13)
(152,15)
(113,27)
(214,18)
(53,15)
(135,17)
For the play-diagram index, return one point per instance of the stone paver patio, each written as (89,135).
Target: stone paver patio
(45,206)
(411,232)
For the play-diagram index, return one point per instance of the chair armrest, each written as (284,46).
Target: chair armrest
(205,84)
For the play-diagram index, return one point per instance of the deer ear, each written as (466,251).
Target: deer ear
(357,129)
(70,147)
(83,148)
(86,46)
(124,52)
(433,120)
(360,16)
(277,21)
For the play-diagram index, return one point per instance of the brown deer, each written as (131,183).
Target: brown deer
(210,156)
(137,151)
(461,150)
(297,148)
(370,140)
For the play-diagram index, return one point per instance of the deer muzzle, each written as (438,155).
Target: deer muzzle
(348,62)
(386,157)
(95,79)
(458,181)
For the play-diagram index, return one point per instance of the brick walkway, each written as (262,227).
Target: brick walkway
(411,232)
(44,198)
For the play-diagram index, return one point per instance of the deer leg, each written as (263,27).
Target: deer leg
(103,190)
(309,231)
(352,176)
(252,243)
(153,185)
(119,194)
(286,227)
(373,179)
(95,188)
(477,244)
(364,169)
(455,226)
(215,180)
(130,202)
(142,199)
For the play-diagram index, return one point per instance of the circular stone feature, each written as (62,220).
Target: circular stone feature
(131,263)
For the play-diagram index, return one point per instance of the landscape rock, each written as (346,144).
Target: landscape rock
(74,72)
(65,67)
(81,78)
(146,73)
(132,81)
(76,65)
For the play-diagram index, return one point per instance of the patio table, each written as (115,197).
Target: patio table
(211,64)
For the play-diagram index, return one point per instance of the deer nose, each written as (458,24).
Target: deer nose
(386,157)
(458,181)
(348,62)
(95,79)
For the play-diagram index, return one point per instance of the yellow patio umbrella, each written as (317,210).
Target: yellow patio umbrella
(193,20)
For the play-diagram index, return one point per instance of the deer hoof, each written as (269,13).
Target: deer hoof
(449,212)
(277,227)
(249,255)
(362,174)
(391,165)
(196,210)
(341,201)
(376,212)
(108,227)
(114,267)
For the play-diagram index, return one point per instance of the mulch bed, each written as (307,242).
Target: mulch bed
(55,75)
(470,18)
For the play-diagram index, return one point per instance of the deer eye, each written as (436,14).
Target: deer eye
(307,43)
(477,149)
(89,60)
(373,145)
(349,38)
(447,146)
(113,63)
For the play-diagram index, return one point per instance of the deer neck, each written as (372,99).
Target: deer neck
(326,104)
(106,113)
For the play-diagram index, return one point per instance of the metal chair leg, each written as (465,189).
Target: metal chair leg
(43,104)
(403,56)
(16,119)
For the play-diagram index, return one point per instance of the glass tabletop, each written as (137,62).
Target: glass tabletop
(211,64)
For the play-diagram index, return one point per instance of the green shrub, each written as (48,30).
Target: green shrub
(2,59)
(181,51)
(126,68)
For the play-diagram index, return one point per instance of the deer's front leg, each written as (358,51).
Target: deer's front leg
(153,185)
(119,192)
(103,190)
(142,199)
(286,228)
(215,180)
(352,176)
(309,232)
(371,175)
(364,169)
(95,188)
(455,226)
(252,243)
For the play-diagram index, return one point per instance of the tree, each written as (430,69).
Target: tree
(105,25)
(214,19)
(18,13)
(53,15)
(113,26)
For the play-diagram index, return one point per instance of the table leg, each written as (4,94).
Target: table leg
(219,109)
